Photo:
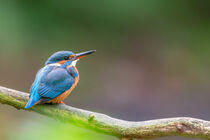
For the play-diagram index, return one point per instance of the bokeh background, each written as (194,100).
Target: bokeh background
(152,60)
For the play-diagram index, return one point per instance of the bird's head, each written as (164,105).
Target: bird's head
(63,57)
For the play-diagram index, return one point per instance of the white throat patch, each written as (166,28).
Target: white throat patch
(74,62)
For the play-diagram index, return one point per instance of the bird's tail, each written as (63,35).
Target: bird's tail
(32,101)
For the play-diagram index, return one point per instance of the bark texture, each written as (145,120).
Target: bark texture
(180,126)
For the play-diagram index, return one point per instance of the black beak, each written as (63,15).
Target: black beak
(83,54)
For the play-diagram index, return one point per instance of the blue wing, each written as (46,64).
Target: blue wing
(55,83)
(50,82)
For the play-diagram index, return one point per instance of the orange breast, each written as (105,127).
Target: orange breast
(66,93)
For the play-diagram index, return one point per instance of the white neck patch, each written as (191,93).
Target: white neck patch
(57,64)
(54,64)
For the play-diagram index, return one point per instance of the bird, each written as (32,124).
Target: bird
(56,80)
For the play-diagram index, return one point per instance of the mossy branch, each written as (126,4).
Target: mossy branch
(181,126)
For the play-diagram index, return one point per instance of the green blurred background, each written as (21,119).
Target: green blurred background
(152,60)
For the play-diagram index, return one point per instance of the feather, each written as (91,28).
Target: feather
(50,82)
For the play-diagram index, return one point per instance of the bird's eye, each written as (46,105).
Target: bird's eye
(66,58)
(71,56)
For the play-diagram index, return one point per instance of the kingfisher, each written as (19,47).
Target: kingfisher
(56,80)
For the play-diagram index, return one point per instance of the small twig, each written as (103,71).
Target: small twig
(181,126)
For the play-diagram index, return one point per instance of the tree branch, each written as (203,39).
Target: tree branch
(182,126)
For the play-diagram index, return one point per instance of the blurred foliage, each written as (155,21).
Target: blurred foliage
(50,130)
(152,58)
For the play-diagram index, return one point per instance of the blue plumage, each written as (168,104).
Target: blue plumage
(50,82)
(56,77)
(58,56)
(55,82)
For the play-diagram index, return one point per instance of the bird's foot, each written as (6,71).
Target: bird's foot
(61,102)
